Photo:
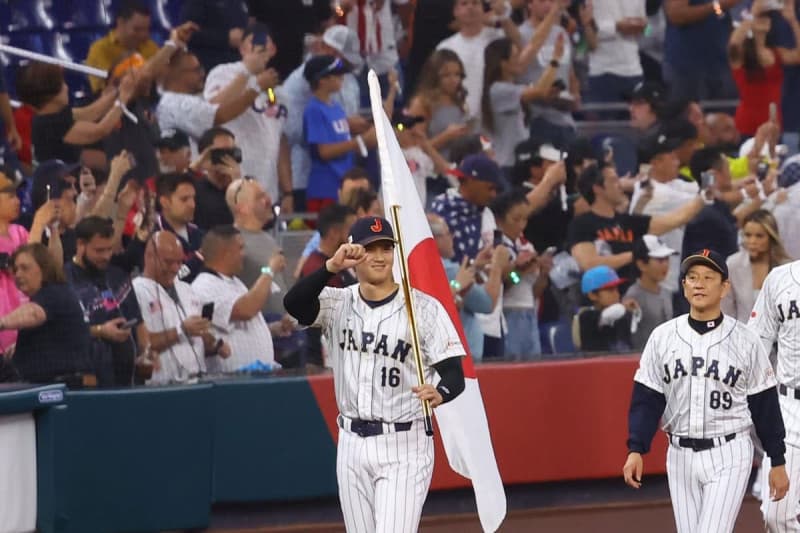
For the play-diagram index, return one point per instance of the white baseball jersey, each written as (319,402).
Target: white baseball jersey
(707,378)
(249,340)
(775,318)
(258,130)
(371,354)
(160,313)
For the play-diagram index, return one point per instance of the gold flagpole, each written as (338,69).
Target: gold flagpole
(379,116)
(412,320)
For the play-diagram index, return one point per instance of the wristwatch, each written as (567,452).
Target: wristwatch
(266,270)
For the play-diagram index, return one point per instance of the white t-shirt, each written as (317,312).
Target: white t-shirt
(470,51)
(161,313)
(666,197)
(520,296)
(250,340)
(186,112)
(615,53)
(258,130)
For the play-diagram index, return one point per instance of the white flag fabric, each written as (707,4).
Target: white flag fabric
(462,422)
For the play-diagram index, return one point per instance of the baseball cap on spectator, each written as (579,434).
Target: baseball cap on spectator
(367,230)
(10,179)
(660,143)
(479,167)
(709,258)
(319,67)
(52,173)
(256,28)
(648,91)
(790,172)
(172,140)
(526,155)
(680,129)
(600,277)
(345,41)
(401,120)
(650,246)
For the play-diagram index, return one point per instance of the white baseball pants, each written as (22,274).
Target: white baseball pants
(384,479)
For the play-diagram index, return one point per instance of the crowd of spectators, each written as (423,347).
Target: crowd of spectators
(141,227)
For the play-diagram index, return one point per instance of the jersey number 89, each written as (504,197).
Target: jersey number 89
(720,399)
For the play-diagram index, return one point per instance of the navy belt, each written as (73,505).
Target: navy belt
(371,428)
(699,445)
(788,391)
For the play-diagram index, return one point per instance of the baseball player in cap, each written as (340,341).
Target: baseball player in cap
(775,319)
(708,378)
(384,459)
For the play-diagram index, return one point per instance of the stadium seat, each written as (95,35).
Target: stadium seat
(560,338)
(173,11)
(626,158)
(86,14)
(160,19)
(28,15)
(31,41)
(77,43)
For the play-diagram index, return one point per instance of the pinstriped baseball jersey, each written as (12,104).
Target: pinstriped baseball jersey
(705,378)
(776,318)
(371,353)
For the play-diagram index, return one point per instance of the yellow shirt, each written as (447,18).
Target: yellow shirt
(106,51)
(740,168)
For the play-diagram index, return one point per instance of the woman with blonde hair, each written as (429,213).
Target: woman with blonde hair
(762,250)
(440,99)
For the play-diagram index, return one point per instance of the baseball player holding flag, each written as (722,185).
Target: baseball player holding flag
(383,386)
(708,378)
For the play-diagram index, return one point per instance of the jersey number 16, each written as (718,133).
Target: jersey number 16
(390,376)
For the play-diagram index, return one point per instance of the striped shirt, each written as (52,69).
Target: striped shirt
(160,313)
(707,378)
(372,356)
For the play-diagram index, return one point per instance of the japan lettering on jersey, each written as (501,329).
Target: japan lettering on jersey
(706,379)
(776,318)
(371,352)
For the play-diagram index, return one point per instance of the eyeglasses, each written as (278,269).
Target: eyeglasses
(239,188)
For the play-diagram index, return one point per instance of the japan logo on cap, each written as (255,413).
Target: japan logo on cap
(377,227)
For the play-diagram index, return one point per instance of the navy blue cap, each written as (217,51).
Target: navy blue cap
(706,257)
(480,167)
(52,173)
(320,66)
(366,230)
(648,91)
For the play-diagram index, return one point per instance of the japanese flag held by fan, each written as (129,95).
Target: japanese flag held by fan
(462,422)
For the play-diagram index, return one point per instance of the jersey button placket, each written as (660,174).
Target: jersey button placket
(698,394)
(365,382)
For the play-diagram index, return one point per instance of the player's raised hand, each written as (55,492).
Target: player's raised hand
(347,256)
(632,471)
(778,482)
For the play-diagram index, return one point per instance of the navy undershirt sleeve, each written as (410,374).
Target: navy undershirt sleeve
(766,413)
(647,406)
